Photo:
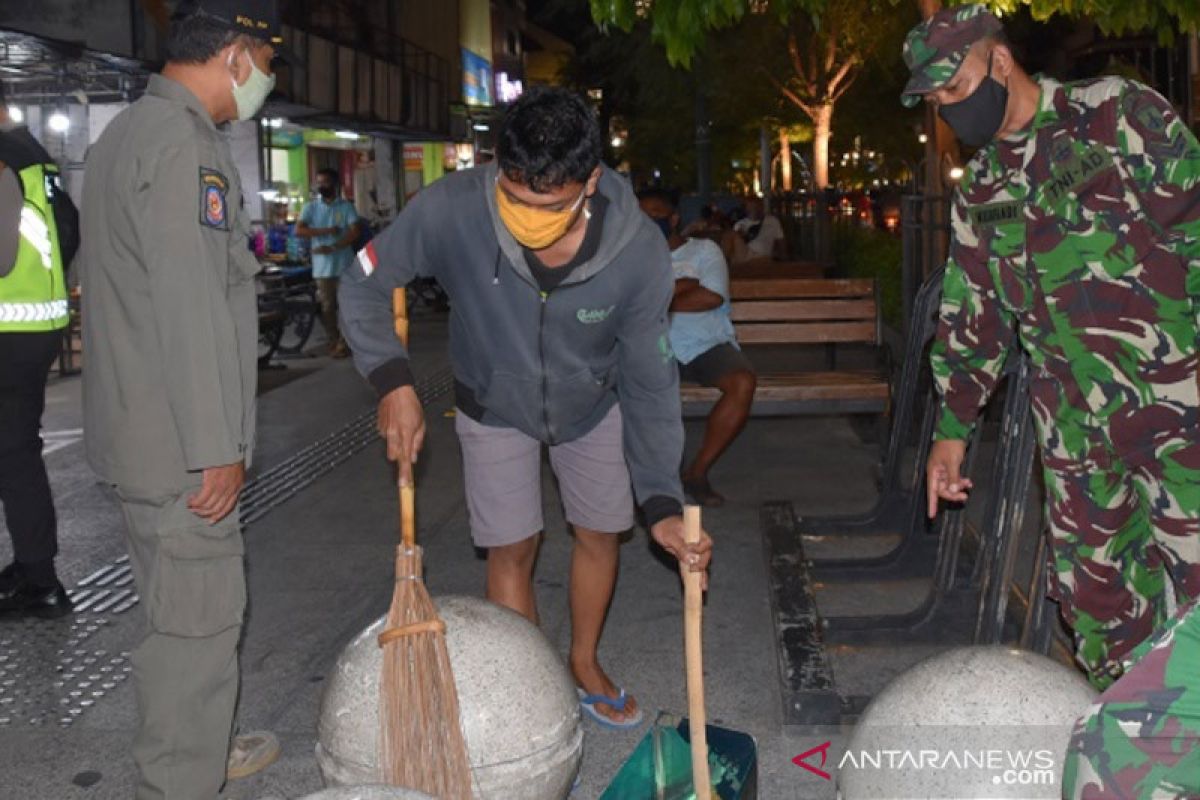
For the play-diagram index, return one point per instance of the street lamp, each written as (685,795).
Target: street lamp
(59,122)
(956,173)
(922,138)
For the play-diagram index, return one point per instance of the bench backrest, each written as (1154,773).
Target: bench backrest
(769,269)
(805,311)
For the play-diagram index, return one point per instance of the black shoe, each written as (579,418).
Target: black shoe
(44,602)
(10,579)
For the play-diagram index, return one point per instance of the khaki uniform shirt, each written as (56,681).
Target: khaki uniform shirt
(170,326)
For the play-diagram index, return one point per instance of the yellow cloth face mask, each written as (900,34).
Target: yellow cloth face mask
(535,228)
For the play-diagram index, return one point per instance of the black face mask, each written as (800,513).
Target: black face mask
(664,225)
(328,192)
(977,118)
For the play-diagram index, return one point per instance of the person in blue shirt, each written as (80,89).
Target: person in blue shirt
(334,228)
(704,342)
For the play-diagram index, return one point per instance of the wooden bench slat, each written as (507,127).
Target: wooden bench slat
(799,288)
(768,269)
(803,386)
(805,332)
(773,310)
(802,310)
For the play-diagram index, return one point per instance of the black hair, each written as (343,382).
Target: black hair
(548,138)
(662,195)
(195,38)
(331,173)
(1001,37)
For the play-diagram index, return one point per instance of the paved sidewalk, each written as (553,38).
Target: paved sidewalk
(320,569)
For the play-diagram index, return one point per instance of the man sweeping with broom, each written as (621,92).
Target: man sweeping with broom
(559,290)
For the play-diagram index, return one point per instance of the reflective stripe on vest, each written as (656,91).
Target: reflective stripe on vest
(36,232)
(33,312)
(33,295)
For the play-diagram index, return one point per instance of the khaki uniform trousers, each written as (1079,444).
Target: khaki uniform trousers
(191,579)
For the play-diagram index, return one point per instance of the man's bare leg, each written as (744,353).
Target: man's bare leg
(724,423)
(594,564)
(510,576)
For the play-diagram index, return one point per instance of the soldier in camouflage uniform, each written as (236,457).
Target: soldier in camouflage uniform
(1076,233)
(1142,738)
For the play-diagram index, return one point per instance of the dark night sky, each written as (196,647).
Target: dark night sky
(566,18)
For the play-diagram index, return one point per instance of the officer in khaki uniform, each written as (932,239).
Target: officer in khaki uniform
(170,332)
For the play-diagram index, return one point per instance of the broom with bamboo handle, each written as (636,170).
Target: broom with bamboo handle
(421,741)
(693,610)
(400,314)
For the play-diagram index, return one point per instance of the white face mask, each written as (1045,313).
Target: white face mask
(251,95)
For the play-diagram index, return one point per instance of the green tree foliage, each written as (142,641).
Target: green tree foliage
(681,25)
(1166,18)
(823,44)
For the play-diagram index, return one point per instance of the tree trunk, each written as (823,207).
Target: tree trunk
(703,139)
(764,170)
(936,129)
(785,160)
(822,130)
(941,141)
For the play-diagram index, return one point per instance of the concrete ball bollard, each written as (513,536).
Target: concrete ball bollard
(520,712)
(371,792)
(978,722)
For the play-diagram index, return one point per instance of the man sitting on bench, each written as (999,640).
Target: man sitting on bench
(703,340)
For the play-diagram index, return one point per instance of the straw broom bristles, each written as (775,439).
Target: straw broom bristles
(422,742)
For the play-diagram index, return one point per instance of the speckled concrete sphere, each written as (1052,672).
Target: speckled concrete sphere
(520,713)
(973,722)
(373,792)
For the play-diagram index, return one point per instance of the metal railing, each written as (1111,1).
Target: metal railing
(924,227)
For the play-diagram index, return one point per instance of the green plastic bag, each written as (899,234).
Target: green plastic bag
(660,767)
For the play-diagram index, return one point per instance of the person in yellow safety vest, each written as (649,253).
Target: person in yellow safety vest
(33,313)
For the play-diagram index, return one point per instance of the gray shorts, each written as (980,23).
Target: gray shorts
(709,367)
(502,470)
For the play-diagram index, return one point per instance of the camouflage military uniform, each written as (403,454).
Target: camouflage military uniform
(1082,233)
(1142,738)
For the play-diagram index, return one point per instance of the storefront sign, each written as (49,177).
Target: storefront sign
(477,79)
(414,156)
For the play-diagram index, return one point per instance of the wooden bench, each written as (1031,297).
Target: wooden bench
(770,269)
(795,311)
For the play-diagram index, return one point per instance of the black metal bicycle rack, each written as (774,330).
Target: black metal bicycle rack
(969,568)
(897,510)
(966,589)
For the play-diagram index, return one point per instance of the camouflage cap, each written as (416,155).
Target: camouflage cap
(935,49)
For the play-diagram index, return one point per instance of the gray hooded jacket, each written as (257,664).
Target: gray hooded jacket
(548,364)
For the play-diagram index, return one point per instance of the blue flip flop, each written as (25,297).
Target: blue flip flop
(588,703)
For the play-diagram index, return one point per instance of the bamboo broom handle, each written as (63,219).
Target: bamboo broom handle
(693,603)
(408,516)
(400,314)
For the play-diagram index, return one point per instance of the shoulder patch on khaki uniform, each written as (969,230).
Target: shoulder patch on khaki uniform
(214,190)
